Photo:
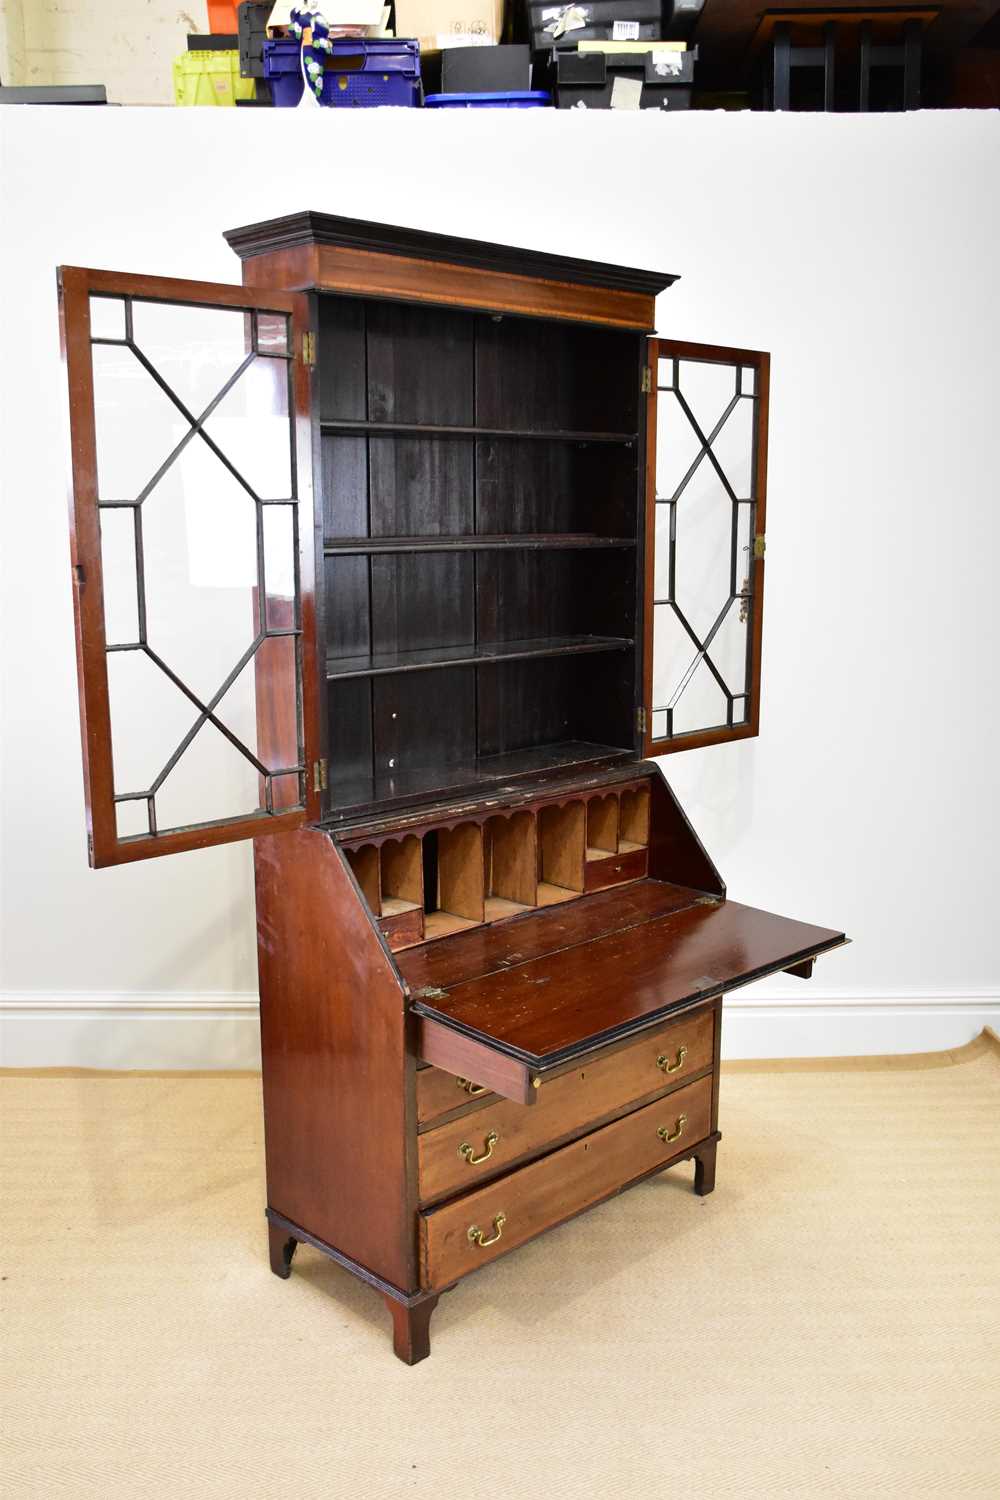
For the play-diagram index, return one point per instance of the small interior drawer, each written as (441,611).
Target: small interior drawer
(476,1146)
(470,1231)
(614,869)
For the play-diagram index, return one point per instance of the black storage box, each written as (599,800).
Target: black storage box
(213,41)
(477,70)
(588,78)
(684,17)
(252,16)
(635,20)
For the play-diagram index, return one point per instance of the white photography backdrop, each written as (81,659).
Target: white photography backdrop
(860,251)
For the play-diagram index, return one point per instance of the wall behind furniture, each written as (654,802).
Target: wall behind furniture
(861,252)
(128,45)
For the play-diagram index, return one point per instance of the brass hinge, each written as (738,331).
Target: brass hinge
(641,720)
(647,381)
(758,547)
(309,349)
(319,775)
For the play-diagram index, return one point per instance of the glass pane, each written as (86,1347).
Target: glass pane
(673,653)
(701,705)
(709,544)
(131,818)
(279,565)
(661,553)
(728,651)
(665,373)
(272,333)
(211,780)
(199,529)
(707,390)
(276,746)
(703,566)
(198,568)
(285,792)
(677,445)
(733,448)
(194,349)
(744,537)
(107,318)
(149,718)
(121,607)
(250,425)
(137,425)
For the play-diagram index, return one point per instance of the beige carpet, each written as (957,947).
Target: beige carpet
(827,1323)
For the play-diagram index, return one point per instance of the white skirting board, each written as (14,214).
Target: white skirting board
(189,1032)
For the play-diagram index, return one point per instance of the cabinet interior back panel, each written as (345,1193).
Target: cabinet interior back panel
(413,366)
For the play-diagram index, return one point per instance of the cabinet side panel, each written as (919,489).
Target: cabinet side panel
(339,1090)
(675,851)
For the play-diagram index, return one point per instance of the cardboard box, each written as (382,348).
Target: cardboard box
(450,23)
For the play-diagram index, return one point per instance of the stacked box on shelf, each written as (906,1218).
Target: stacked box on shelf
(476,70)
(684,18)
(440,25)
(253,16)
(209,41)
(656,76)
(511,99)
(222,16)
(210,77)
(361,72)
(563,25)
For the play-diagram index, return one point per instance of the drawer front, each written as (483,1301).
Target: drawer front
(461,1154)
(615,870)
(403,930)
(438,1093)
(463,1235)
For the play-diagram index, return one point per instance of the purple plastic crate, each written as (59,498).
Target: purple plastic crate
(360,74)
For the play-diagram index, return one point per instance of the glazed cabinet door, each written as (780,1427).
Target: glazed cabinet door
(191,523)
(706,476)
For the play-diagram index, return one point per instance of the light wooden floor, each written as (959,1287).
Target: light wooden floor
(827,1323)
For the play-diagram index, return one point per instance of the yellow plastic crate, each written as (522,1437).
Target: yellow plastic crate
(210,78)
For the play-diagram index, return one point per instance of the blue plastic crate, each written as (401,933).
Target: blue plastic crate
(523,99)
(360,74)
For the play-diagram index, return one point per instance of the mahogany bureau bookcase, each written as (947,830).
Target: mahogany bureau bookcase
(399,560)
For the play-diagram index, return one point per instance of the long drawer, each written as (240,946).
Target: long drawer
(466,1151)
(467,1233)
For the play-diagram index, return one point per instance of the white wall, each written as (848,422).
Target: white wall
(128,45)
(861,252)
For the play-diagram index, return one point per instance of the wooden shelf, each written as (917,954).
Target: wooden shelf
(418,429)
(439,924)
(395,906)
(340,668)
(355,797)
(352,546)
(498,908)
(551,895)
